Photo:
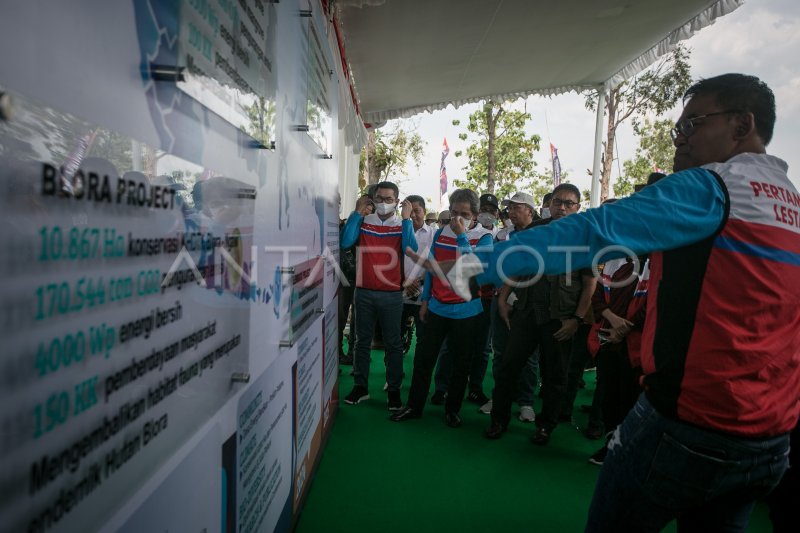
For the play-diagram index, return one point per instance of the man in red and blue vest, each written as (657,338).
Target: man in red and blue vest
(448,316)
(720,350)
(381,237)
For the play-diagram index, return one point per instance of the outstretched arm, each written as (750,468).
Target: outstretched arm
(684,208)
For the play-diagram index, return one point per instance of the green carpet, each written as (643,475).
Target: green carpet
(419,476)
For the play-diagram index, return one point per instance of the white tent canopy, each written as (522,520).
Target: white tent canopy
(410,56)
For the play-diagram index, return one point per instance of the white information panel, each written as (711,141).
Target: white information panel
(168,267)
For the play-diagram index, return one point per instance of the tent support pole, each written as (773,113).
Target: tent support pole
(598,145)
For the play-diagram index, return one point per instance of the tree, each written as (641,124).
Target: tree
(386,153)
(655,91)
(261,115)
(113,147)
(500,158)
(654,154)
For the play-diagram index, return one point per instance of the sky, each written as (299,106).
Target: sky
(761,38)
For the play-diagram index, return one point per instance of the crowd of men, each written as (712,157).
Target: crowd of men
(693,320)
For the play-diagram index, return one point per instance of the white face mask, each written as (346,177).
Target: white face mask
(545,212)
(486,220)
(469,223)
(384,209)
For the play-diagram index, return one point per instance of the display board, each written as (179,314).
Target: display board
(225,59)
(308,407)
(330,363)
(169,267)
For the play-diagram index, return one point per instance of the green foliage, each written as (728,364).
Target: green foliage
(394,151)
(655,151)
(653,92)
(262,120)
(500,158)
(115,148)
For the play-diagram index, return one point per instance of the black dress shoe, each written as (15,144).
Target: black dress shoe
(541,437)
(452,420)
(438,398)
(495,430)
(593,432)
(406,413)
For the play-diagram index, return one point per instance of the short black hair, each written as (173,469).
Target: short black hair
(416,199)
(654,177)
(386,185)
(546,199)
(569,188)
(742,93)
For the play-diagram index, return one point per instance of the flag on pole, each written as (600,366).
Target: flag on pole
(556,165)
(443,170)
(73,163)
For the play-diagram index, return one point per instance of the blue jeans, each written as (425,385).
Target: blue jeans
(659,469)
(385,308)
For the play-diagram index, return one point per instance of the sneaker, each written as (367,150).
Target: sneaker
(357,395)
(486,409)
(526,414)
(438,397)
(346,359)
(393,400)
(477,397)
(599,456)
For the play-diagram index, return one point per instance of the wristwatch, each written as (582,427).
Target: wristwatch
(578,318)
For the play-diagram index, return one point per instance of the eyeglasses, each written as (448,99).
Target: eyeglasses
(687,126)
(384,199)
(569,204)
(429,220)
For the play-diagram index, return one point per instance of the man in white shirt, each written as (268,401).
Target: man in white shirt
(413,274)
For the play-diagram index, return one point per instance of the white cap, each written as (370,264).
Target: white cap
(520,198)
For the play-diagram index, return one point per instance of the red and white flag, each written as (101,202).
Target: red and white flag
(556,165)
(443,170)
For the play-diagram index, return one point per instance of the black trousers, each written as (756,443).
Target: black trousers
(408,327)
(555,371)
(462,336)
(525,336)
(620,382)
(523,339)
